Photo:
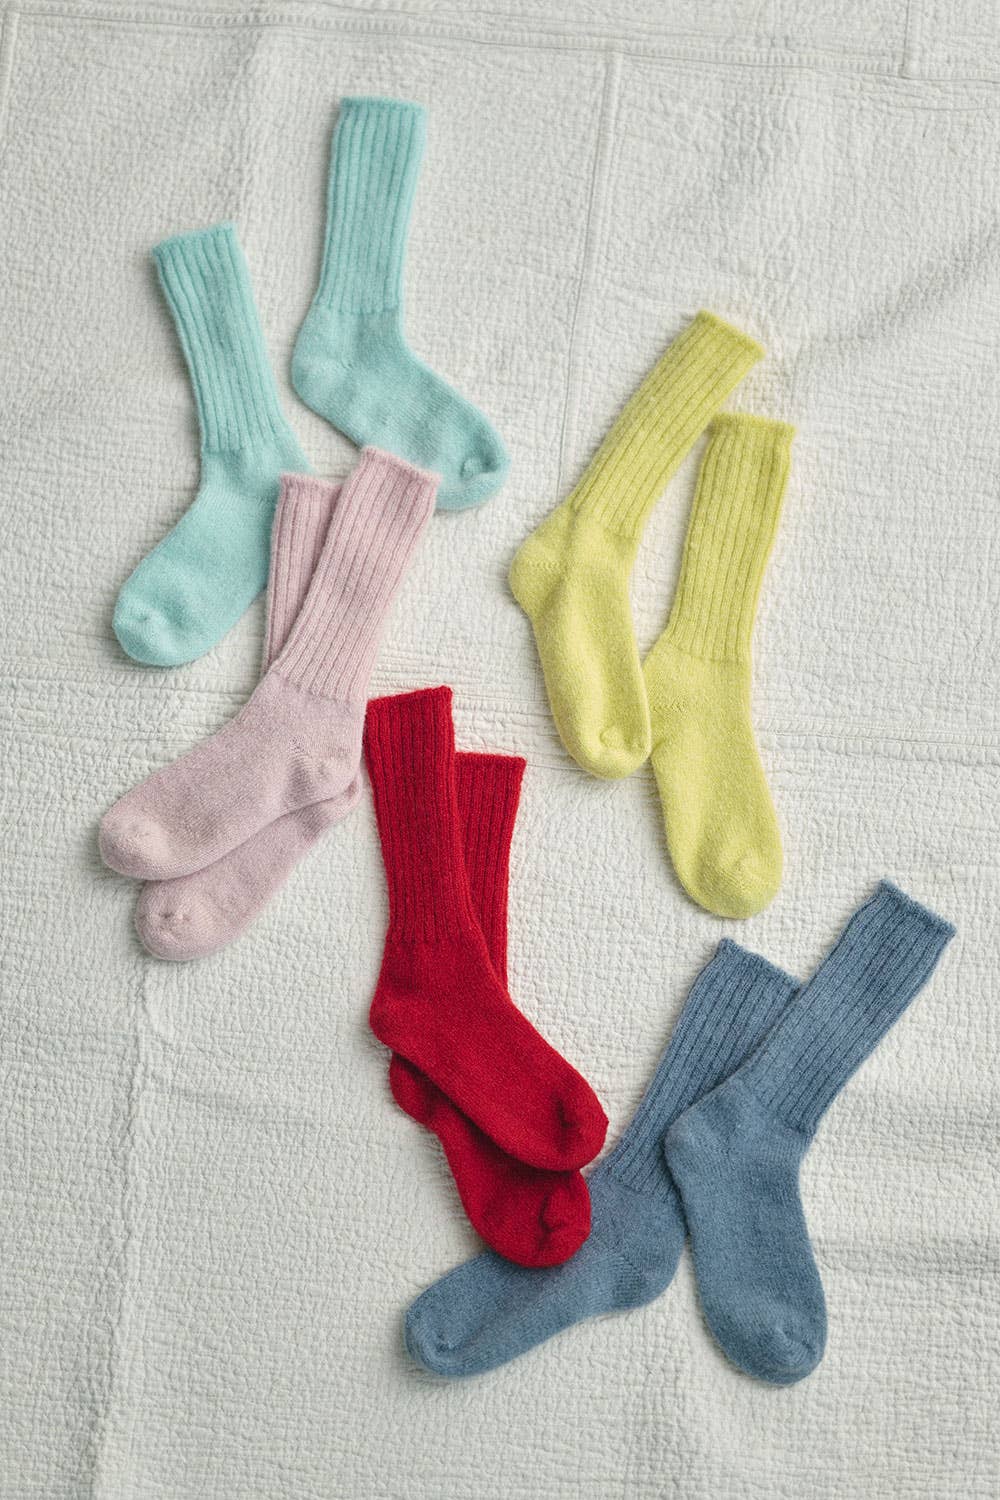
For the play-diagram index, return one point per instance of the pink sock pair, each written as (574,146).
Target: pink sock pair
(216,833)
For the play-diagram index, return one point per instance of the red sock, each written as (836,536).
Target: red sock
(439,1002)
(530,1216)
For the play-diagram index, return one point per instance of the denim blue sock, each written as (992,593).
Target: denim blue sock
(352,363)
(489,1311)
(735,1155)
(193,587)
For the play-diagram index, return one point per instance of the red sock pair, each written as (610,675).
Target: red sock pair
(514,1118)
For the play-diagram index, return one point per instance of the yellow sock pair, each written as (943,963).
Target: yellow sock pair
(688,705)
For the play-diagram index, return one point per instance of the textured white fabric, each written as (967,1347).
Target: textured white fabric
(212,1215)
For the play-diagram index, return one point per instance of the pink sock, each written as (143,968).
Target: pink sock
(298,739)
(200,913)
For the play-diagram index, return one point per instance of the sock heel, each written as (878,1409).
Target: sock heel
(538,563)
(315,358)
(685,1147)
(562,573)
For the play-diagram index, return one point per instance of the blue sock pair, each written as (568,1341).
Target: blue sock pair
(713,1151)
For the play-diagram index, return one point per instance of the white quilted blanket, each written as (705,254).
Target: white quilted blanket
(211,1215)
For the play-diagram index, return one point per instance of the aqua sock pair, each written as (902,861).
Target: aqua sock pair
(713,1151)
(351,364)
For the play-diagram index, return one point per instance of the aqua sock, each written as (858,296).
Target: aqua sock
(487,1311)
(352,363)
(735,1156)
(193,587)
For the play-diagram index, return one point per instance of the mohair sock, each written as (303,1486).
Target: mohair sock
(193,587)
(200,913)
(735,1156)
(530,1216)
(571,576)
(721,826)
(439,1001)
(298,739)
(352,363)
(487,1312)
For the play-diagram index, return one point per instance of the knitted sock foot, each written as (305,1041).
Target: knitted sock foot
(721,827)
(352,363)
(735,1155)
(487,1312)
(571,576)
(195,585)
(529,1216)
(298,740)
(200,913)
(439,1002)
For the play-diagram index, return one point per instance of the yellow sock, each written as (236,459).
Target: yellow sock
(571,575)
(721,826)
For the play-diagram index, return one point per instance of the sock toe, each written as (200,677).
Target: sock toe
(581,1126)
(616,752)
(774,1343)
(611,751)
(149,637)
(131,844)
(755,881)
(427,1345)
(786,1354)
(736,888)
(173,926)
(565,1221)
(481,475)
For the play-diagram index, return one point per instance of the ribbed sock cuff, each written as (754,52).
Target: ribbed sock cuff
(378,146)
(661,422)
(384,507)
(409,743)
(734,1001)
(301,521)
(207,286)
(488,789)
(880,962)
(733,524)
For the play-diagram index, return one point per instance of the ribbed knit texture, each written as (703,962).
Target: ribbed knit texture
(732,528)
(721,827)
(529,1216)
(351,362)
(200,913)
(297,742)
(661,422)
(410,751)
(206,283)
(735,1156)
(571,576)
(383,509)
(439,1001)
(484,1313)
(882,959)
(732,1004)
(196,584)
(488,789)
(301,523)
(374,166)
